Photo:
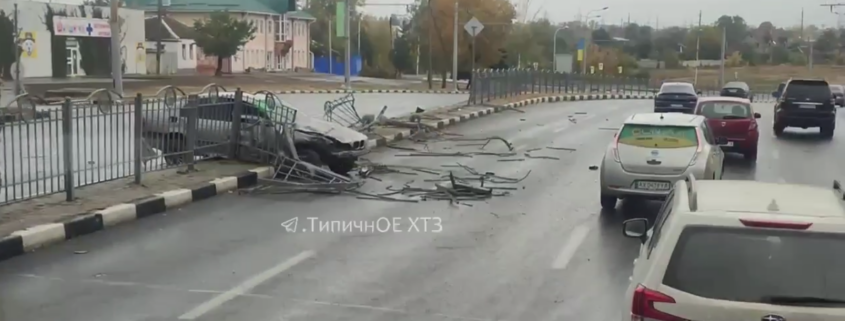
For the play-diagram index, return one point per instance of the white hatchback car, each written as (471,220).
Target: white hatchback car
(740,250)
(652,151)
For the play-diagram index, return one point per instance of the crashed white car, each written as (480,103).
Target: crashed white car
(318,142)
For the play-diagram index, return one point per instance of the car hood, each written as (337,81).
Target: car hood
(318,126)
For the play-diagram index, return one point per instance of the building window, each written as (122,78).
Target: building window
(260,26)
(191,51)
(184,52)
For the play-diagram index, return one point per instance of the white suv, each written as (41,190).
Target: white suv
(740,250)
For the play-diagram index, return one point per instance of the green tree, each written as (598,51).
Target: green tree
(827,44)
(7,45)
(58,45)
(736,31)
(401,54)
(222,35)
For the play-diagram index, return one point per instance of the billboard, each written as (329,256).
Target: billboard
(81,27)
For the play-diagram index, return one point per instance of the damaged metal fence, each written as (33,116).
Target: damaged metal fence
(344,112)
(49,148)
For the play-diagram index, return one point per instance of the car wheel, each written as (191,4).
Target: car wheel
(342,166)
(608,202)
(778,129)
(310,156)
(826,131)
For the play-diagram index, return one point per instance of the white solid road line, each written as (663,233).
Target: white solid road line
(246,286)
(579,234)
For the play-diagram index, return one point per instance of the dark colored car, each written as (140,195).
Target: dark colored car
(805,103)
(838,94)
(675,97)
(737,89)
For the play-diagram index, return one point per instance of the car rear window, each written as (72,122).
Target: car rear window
(651,136)
(749,265)
(738,85)
(725,110)
(814,90)
(677,89)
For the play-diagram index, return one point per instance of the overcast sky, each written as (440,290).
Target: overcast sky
(671,12)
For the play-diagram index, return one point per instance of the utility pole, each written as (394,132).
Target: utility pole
(810,60)
(722,65)
(331,56)
(17,35)
(455,50)
(802,24)
(430,42)
(348,61)
(116,65)
(159,15)
(697,49)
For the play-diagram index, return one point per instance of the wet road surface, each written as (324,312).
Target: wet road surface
(546,252)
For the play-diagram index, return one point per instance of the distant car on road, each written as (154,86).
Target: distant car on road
(675,97)
(652,151)
(805,103)
(737,89)
(838,94)
(733,119)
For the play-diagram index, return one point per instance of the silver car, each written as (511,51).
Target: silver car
(652,151)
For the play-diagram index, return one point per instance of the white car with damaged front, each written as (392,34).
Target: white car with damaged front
(654,150)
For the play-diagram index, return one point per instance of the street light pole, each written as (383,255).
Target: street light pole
(18,80)
(348,61)
(588,37)
(455,50)
(116,66)
(554,48)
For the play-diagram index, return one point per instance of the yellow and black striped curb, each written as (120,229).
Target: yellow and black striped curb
(383,141)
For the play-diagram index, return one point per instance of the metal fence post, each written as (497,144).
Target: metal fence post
(138,153)
(235,135)
(67,142)
(191,113)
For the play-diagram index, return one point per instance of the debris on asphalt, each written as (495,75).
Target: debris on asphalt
(580,112)
(541,157)
(512,160)
(561,148)
(456,188)
(594,167)
(486,141)
(608,128)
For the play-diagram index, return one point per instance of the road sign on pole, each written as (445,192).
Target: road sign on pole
(473,27)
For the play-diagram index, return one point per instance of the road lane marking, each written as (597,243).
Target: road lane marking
(578,235)
(246,286)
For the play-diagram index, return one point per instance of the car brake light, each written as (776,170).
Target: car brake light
(642,307)
(699,148)
(776,224)
(615,149)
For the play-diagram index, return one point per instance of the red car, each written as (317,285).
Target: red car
(733,119)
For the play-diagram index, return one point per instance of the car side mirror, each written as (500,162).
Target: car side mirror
(636,228)
(757,115)
(698,92)
(721,141)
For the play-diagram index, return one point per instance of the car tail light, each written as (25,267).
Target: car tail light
(776,224)
(642,307)
(698,149)
(615,149)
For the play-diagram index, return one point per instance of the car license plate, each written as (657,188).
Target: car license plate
(677,105)
(652,186)
(807,106)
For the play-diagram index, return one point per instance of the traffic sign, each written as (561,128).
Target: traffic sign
(473,27)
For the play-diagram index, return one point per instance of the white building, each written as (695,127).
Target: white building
(178,46)
(79,28)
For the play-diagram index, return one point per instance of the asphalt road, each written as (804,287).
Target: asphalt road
(32,158)
(546,252)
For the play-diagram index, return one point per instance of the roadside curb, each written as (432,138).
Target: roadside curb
(39,236)
(384,141)
(370,91)
(22,241)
